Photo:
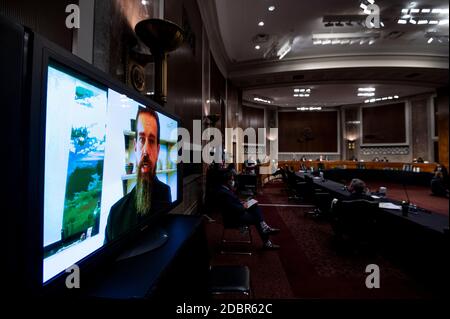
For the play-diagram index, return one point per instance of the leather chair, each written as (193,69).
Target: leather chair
(355,219)
(244,240)
(229,280)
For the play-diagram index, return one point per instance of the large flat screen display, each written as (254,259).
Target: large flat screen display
(110,165)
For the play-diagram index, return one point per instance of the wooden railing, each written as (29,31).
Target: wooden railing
(422,167)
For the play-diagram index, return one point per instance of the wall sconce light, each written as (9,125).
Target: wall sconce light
(161,37)
(351,144)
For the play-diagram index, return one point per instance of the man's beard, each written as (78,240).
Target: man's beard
(144,186)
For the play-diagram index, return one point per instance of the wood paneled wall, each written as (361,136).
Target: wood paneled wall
(308,132)
(384,124)
(443,118)
(252,117)
(48,18)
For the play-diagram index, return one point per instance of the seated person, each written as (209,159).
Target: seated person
(443,170)
(279,171)
(353,158)
(237,212)
(150,195)
(250,166)
(376,159)
(438,187)
(358,190)
(232,168)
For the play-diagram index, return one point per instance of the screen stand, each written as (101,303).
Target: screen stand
(150,241)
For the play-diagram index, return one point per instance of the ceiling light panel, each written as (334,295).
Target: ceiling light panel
(302,92)
(423,16)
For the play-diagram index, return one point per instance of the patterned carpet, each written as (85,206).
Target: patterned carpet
(309,263)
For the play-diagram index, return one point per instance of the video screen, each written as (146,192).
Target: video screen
(110,163)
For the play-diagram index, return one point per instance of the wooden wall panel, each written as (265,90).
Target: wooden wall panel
(48,18)
(252,117)
(384,124)
(218,94)
(308,132)
(443,118)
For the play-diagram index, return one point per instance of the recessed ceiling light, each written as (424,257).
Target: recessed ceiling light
(296,90)
(422,22)
(366,94)
(412,4)
(272,8)
(370,89)
(426,10)
(401,21)
(261,23)
(264,100)
(430,40)
(257,47)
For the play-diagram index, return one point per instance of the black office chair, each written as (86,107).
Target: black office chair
(224,280)
(295,186)
(242,237)
(322,201)
(355,220)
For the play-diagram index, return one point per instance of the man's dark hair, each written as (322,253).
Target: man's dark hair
(357,186)
(144,110)
(225,176)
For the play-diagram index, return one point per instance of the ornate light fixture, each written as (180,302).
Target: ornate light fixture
(161,37)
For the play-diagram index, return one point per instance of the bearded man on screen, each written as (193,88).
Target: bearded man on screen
(150,195)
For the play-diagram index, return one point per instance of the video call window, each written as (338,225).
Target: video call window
(91,165)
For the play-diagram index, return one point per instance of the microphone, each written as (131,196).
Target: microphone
(405,205)
(406,192)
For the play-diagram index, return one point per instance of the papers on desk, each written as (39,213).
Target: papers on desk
(251,202)
(389,206)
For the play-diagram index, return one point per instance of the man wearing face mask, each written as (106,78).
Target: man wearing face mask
(149,196)
(236,212)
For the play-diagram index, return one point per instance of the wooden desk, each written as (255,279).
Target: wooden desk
(425,168)
(428,221)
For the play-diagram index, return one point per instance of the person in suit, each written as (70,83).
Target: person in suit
(149,196)
(236,212)
(438,187)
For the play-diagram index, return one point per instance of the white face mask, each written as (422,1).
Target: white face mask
(232,184)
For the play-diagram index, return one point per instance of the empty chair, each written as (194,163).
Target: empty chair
(244,240)
(229,280)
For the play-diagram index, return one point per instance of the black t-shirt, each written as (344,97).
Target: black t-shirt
(123,215)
